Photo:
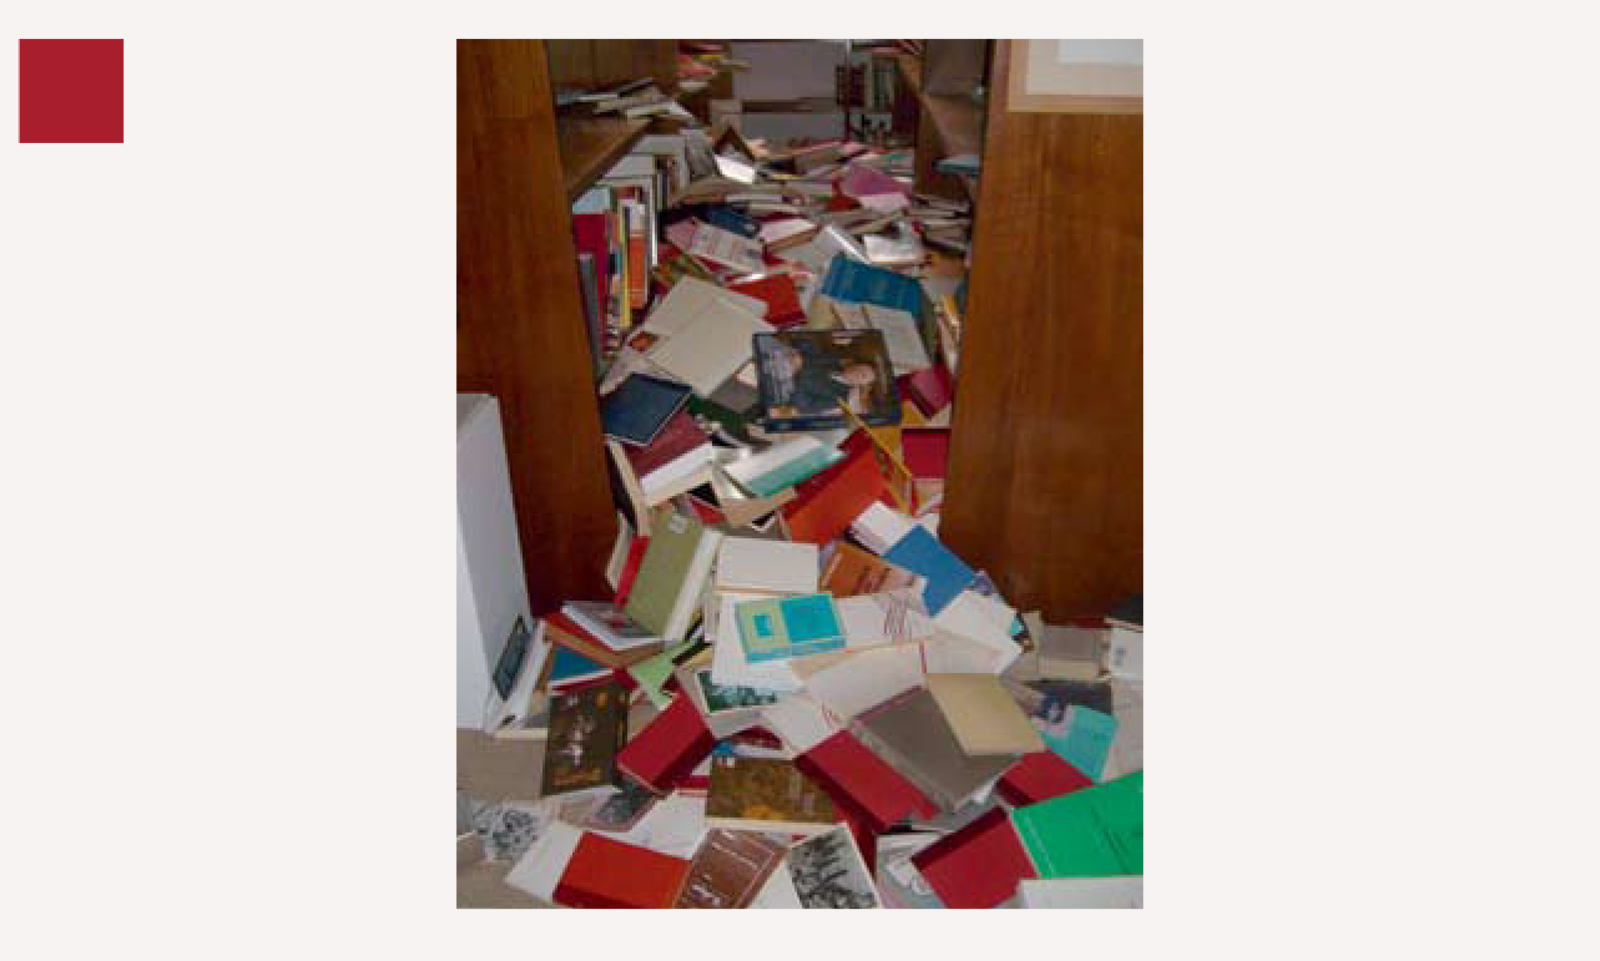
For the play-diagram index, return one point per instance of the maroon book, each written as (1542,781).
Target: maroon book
(668,748)
(1040,776)
(978,866)
(930,389)
(604,873)
(591,234)
(858,780)
(678,436)
(926,450)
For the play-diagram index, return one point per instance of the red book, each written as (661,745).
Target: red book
(1040,776)
(858,780)
(669,747)
(779,294)
(822,512)
(604,873)
(926,451)
(978,866)
(630,571)
(591,234)
(930,389)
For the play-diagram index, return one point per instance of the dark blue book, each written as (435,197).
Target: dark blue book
(636,411)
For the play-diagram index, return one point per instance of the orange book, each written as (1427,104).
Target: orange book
(824,512)
(604,873)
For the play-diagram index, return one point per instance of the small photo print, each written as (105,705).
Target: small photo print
(828,872)
(730,697)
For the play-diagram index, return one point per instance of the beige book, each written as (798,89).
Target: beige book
(983,715)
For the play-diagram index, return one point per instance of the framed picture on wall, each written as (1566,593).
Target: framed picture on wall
(1076,76)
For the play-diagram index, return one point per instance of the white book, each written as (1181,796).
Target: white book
(799,722)
(700,334)
(727,248)
(887,617)
(778,892)
(1125,659)
(862,681)
(1116,892)
(947,653)
(675,825)
(976,617)
(1127,746)
(879,528)
(539,871)
(756,565)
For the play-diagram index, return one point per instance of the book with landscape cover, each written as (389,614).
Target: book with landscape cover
(759,794)
(586,731)
(808,376)
(729,869)
(829,872)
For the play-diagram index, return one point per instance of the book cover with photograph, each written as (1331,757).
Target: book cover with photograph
(807,377)
(828,872)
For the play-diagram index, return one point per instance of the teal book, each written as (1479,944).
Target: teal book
(1084,740)
(1095,832)
(781,627)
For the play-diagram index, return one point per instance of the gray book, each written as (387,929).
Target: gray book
(911,734)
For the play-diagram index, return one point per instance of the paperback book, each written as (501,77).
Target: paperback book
(807,377)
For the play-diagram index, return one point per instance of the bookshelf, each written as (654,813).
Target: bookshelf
(590,145)
(948,124)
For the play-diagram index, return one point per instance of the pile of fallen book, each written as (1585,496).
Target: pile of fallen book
(796,695)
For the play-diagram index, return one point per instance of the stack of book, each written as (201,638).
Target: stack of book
(796,695)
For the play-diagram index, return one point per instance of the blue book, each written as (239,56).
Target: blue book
(921,553)
(854,282)
(636,411)
(780,627)
(569,665)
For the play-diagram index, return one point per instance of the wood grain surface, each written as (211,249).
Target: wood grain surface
(519,323)
(1045,488)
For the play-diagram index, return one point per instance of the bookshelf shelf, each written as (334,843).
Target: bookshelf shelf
(589,146)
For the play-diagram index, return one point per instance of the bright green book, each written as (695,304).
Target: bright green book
(1096,832)
(652,673)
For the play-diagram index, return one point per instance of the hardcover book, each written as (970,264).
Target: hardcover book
(1095,832)
(610,626)
(828,872)
(672,574)
(983,715)
(730,868)
(759,794)
(641,405)
(586,731)
(776,628)
(668,748)
(979,865)
(856,778)
(783,465)
(911,734)
(605,873)
(808,376)
(1040,776)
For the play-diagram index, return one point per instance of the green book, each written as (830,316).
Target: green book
(1095,832)
(672,574)
(652,673)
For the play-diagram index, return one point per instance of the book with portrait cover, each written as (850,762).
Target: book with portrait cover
(587,729)
(807,377)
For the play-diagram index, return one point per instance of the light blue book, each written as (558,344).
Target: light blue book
(1086,740)
(774,628)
